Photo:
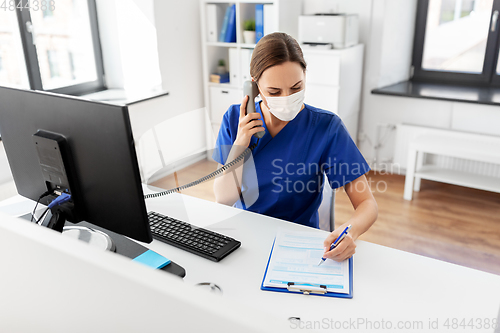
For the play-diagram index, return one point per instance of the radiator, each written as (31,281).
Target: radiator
(405,133)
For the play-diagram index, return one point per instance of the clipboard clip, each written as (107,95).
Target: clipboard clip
(306,288)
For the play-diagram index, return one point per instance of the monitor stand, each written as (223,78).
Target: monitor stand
(56,220)
(91,236)
(123,245)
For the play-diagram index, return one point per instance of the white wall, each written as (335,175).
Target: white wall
(180,65)
(388,62)
(148,43)
(179,48)
(110,46)
(138,45)
(129,44)
(172,59)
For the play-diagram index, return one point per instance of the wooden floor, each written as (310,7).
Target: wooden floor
(451,223)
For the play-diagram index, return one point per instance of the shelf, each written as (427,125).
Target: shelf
(219,2)
(123,97)
(255,1)
(222,44)
(248,46)
(238,1)
(315,50)
(223,85)
(460,178)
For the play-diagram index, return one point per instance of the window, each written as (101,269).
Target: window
(61,45)
(48,11)
(456,41)
(12,66)
(53,64)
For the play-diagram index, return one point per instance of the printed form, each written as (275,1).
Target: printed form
(295,257)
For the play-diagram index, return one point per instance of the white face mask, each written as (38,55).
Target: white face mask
(286,108)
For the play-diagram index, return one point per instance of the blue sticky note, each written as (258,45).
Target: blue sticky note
(152,259)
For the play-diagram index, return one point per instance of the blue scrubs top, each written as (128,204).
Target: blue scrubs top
(290,167)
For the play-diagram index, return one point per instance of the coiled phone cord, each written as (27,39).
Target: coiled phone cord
(207,177)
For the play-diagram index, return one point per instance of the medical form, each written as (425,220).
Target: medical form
(294,258)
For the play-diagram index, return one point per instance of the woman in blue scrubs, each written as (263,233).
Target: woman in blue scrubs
(300,145)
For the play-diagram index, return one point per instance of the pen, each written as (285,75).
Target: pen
(337,241)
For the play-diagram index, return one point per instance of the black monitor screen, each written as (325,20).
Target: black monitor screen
(104,161)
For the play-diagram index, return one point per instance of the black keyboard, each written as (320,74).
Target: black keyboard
(202,242)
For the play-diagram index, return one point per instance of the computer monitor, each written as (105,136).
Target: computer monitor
(99,163)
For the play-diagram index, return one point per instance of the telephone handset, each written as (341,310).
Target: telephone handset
(250,88)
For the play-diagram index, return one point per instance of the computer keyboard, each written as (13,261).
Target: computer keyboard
(205,243)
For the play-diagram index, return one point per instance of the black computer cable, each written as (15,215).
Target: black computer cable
(207,177)
(38,201)
(42,216)
(63,198)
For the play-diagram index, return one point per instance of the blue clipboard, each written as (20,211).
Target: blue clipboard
(305,288)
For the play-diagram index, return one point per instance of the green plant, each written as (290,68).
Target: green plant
(249,25)
(222,62)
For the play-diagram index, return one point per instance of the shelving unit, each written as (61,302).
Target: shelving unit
(218,97)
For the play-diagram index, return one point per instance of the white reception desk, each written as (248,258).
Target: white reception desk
(393,290)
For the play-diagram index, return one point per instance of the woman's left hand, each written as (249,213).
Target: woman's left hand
(344,250)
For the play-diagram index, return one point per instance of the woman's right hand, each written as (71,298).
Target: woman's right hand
(249,124)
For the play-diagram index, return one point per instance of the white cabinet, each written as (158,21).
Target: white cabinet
(220,100)
(333,82)
(322,96)
(322,68)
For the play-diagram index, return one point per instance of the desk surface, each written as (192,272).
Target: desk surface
(391,287)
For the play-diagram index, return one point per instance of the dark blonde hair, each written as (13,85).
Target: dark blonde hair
(275,49)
